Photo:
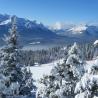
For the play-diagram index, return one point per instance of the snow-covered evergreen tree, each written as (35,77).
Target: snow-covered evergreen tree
(11,74)
(65,76)
(48,87)
(75,61)
(87,87)
(27,81)
(72,71)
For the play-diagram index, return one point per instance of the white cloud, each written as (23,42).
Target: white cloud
(60,25)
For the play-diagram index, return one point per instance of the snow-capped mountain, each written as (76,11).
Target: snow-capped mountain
(68,29)
(59,33)
(81,31)
(6,22)
(29,31)
(78,29)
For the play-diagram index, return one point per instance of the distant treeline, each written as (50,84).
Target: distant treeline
(42,56)
(51,54)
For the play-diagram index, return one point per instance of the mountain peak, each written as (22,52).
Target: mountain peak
(30,31)
(78,28)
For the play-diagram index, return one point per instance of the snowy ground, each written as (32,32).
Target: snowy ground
(44,69)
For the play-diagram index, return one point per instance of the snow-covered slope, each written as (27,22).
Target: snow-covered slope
(6,22)
(44,69)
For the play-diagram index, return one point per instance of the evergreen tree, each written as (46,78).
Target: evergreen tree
(12,75)
(48,88)
(75,61)
(73,69)
(69,72)
(87,87)
(27,82)
(65,75)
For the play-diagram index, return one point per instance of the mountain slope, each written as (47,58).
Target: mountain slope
(33,32)
(29,31)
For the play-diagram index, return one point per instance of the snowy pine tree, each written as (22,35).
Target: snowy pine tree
(12,75)
(72,70)
(87,87)
(75,62)
(27,82)
(65,76)
(48,88)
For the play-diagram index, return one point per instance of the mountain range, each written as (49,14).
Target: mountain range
(85,32)
(33,32)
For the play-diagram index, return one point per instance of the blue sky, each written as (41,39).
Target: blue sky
(51,11)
